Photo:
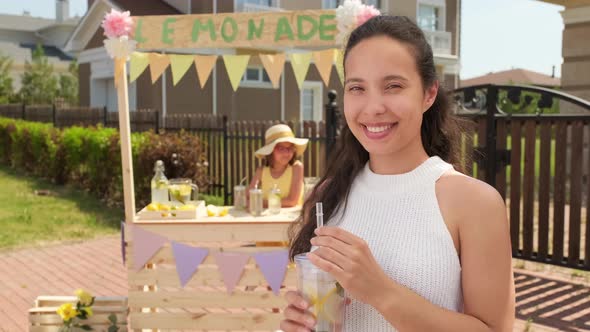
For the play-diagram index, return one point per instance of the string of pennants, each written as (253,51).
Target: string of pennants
(272,264)
(236,65)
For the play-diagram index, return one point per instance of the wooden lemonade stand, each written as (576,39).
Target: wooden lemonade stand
(208,300)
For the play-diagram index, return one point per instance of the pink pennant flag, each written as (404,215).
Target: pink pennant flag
(188,259)
(231,266)
(273,265)
(146,244)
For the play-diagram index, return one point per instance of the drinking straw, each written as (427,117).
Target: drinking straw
(319,214)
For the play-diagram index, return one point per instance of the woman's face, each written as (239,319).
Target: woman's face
(383,96)
(283,153)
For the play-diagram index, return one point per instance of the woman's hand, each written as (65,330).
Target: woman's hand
(350,261)
(297,317)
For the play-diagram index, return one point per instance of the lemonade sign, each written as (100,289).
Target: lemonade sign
(229,30)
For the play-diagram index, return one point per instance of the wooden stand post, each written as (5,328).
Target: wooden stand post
(125,138)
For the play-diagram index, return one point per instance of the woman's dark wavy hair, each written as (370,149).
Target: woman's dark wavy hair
(440,131)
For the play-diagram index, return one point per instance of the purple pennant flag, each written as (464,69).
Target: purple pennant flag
(123,241)
(146,244)
(273,265)
(188,259)
(231,266)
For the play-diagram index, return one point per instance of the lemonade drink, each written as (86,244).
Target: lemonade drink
(323,293)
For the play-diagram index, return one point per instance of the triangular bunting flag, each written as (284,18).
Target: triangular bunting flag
(273,265)
(137,64)
(323,61)
(146,244)
(123,242)
(179,63)
(158,64)
(231,266)
(273,64)
(187,259)
(339,61)
(300,63)
(235,66)
(204,65)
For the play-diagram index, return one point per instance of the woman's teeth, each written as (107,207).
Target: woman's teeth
(378,129)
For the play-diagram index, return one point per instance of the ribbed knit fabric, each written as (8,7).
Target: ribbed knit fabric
(399,217)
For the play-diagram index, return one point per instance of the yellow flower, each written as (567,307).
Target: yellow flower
(84,297)
(67,311)
(88,311)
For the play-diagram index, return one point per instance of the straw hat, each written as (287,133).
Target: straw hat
(278,134)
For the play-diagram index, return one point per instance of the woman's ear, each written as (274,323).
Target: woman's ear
(430,96)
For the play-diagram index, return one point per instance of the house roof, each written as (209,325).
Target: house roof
(517,76)
(569,3)
(23,22)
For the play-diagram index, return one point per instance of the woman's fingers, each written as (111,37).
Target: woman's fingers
(300,317)
(289,326)
(295,299)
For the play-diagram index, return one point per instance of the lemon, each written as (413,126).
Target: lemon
(164,207)
(187,207)
(224,212)
(212,210)
(152,207)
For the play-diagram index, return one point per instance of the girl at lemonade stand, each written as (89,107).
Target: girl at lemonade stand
(281,168)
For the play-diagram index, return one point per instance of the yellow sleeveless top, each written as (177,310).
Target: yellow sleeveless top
(283,183)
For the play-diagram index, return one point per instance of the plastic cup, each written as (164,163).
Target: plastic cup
(325,297)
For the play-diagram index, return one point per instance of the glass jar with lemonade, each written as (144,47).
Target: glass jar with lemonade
(182,191)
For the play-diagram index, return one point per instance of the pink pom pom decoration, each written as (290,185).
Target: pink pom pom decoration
(117,24)
(366,13)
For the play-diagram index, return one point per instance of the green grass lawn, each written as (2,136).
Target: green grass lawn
(28,219)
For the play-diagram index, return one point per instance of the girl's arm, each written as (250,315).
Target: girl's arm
(296,186)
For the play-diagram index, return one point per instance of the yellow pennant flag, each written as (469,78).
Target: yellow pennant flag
(273,64)
(158,64)
(323,61)
(204,65)
(179,63)
(137,64)
(300,63)
(235,66)
(339,61)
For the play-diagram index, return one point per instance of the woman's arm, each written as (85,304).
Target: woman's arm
(296,186)
(255,181)
(487,279)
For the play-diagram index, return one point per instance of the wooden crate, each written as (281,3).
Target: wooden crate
(157,300)
(43,316)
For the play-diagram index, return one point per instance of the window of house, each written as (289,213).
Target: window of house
(330,4)
(256,77)
(429,17)
(311,101)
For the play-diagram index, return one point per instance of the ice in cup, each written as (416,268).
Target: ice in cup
(323,293)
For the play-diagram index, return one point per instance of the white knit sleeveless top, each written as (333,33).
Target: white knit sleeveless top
(399,217)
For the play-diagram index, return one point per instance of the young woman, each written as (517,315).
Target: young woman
(282,169)
(416,245)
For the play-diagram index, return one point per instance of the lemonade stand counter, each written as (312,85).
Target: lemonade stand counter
(205,272)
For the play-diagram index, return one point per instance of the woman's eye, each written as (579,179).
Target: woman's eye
(355,88)
(393,86)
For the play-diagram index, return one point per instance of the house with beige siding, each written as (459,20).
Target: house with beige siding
(20,35)
(256,99)
(575,70)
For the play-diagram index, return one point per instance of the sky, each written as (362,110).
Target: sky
(496,34)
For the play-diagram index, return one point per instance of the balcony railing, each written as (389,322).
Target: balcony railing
(251,7)
(440,41)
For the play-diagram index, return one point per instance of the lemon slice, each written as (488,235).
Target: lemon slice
(187,207)
(224,212)
(212,210)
